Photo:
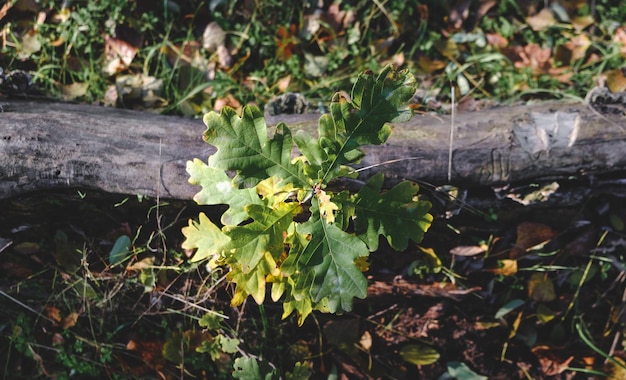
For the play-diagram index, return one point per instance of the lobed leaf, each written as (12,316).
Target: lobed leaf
(393,214)
(331,255)
(204,236)
(362,120)
(218,188)
(243,145)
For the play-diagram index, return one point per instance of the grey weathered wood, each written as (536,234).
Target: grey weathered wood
(57,145)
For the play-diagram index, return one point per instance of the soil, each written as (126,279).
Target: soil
(410,304)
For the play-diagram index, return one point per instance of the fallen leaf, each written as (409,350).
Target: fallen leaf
(551,363)
(616,81)
(419,354)
(542,20)
(70,320)
(283,83)
(544,313)
(458,370)
(74,90)
(366,341)
(541,288)
(616,371)
(579,45)
(505,267)
(532,56)
(53,313)
(620,38)
(467,250)
(145,263)
(429,66)
(459,12)
(529,235)
(582,22)
(118,55)
(497,40)
(228,101)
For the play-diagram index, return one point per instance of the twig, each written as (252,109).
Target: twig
(452,93)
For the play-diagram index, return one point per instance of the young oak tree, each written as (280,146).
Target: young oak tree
(283,227)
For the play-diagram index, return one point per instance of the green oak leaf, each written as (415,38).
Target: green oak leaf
(394,214)
(362,119)
(243,145)
(330,254)
(204,236)
(248,243)
(255,249)
(218,188)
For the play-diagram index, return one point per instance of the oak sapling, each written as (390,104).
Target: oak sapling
(283,227)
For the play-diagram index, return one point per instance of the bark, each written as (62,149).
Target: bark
(59,145)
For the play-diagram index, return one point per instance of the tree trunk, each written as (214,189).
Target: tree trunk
(58,145)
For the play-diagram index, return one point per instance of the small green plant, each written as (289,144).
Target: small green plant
(284,227)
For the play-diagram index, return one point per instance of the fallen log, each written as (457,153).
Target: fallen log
(47,145)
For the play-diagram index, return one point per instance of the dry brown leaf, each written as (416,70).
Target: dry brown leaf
(70,320)
(138,266)
(533,56)
(467,250)
(5,9)
(118,55)
(551,363)
(620,38)
(283,83)
(229,101)
(53,313)
(578,47)
(497,40)
(541,20)
(459,13)
(616,81)
(529,235)
(366,341)
(541,288)
(338,19)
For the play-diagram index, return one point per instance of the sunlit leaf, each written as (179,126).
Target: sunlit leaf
(243,145)
(218,188)
(542,20)
(505,267)
(204,236)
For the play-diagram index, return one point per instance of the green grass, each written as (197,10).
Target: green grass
(277,47)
